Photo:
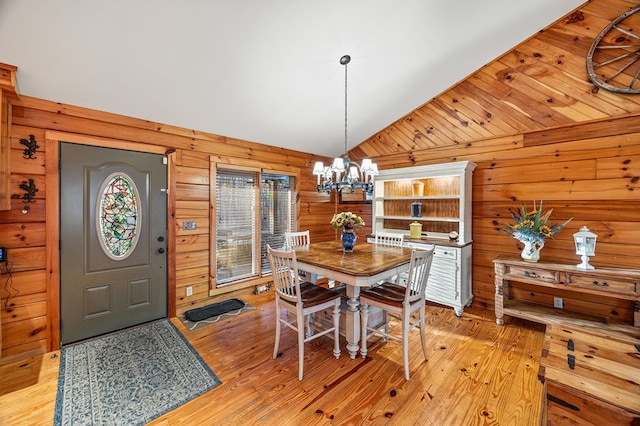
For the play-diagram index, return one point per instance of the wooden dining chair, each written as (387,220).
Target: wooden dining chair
(399,302)
(296,239)
(390,239)
(301,299)
(302,239)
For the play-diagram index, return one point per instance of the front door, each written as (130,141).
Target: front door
(113,230)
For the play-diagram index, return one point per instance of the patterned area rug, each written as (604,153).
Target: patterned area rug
(129,377)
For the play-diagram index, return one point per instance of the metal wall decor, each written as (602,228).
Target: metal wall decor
(30,190)
(613,61)
(31,147)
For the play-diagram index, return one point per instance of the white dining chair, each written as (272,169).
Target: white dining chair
(389,239)
(302,239)
(301,300)
(400,303)
(296,239)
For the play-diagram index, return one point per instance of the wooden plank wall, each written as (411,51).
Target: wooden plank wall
(540,84)
(26,328)
(531,121)
(538,130)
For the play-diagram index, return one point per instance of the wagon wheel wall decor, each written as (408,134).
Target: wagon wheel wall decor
(613,61)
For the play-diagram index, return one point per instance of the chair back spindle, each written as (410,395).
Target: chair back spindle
(419,269)
(297,239)
(284,271)
(389,239)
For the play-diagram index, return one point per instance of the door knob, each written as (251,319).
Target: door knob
(160,250)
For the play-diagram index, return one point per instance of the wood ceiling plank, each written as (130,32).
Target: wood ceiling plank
(513,102)
(425,130)
(608,9)
(439,125)
(459,121)
(438,110)
(387,143)
(530,81)
(485,94)
(412,141)
(468,108)
(574,80)
(529,100)
(471,101)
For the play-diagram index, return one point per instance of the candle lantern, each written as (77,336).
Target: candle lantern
(585,241)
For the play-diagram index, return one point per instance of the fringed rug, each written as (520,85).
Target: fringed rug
(129,377)
(210,314)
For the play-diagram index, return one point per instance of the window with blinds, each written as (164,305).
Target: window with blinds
(252,210)
(236,202)
(277,213)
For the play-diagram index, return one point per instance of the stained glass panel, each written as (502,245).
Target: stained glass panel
(117,215)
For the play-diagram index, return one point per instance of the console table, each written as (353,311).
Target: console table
(611,282)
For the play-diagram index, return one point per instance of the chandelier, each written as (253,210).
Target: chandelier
(343,172)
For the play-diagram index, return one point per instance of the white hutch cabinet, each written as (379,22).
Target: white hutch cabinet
(438,197)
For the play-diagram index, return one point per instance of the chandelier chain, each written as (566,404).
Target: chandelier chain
(345,109)
(344,174)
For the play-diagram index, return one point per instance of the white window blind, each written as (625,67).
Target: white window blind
(236,233)
(277,213)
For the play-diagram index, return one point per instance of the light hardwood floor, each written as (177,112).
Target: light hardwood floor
(478,373)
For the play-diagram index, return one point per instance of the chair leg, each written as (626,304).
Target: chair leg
(364,318)
(275,347)
(406,317)
(387,320)
(422,333)
(336,331)
(300,326)
(309,329)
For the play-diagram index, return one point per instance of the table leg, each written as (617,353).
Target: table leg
(353,320)
(499,297)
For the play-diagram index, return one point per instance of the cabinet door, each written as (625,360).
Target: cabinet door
(442,286)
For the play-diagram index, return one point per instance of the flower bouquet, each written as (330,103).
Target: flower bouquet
(532,228)
(347,220)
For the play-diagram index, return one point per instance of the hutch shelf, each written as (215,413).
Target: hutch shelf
(439,198)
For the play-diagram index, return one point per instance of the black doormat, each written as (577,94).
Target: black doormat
(215,309)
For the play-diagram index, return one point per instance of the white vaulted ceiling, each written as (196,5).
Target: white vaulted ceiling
(259,70)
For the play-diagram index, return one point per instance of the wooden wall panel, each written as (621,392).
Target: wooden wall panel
(537,129)
(531,120)
(595,181)
(31,303)
(541,83)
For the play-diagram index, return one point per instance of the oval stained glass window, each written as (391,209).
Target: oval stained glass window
(118,216)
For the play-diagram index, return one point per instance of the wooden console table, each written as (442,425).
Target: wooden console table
(611,282)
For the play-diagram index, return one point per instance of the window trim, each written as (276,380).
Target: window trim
(214,166)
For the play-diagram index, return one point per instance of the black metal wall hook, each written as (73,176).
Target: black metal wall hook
(31,147)
(30,190)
